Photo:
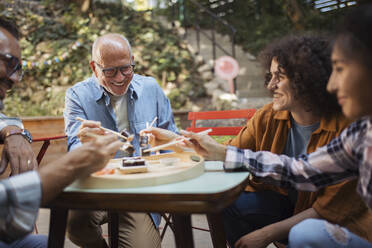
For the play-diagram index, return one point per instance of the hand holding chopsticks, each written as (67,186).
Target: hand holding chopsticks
(157,148)
(124,147)
(105,129)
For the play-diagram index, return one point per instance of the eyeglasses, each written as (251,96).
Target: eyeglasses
(111,72)
(13,65)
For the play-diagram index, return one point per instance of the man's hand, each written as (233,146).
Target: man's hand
(257,239)
(18,152)
(88,126)
(205,146)
(159,136)
(93,155)
(90,157)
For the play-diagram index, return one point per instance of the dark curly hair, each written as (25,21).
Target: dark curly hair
(306,61)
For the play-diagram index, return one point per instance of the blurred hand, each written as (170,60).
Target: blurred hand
(95,154)
(205,146)
(18,152)
(159,136)
(88,126)
(256,239)
(90,157)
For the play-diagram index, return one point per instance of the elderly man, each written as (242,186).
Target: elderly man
(117,99)
(21,195)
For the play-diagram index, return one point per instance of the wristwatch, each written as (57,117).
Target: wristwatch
(24,132)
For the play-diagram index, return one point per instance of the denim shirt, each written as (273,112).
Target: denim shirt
(89,100)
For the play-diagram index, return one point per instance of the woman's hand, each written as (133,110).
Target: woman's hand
(159,136)
(205,146)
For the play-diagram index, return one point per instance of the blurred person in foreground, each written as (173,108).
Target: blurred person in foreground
(17,149)
(21,195)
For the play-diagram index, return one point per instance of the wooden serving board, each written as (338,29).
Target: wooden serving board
(158,173)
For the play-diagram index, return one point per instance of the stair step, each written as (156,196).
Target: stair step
(249,93)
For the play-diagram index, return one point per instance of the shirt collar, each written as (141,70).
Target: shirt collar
(283,115)
(326,124)
(134,89)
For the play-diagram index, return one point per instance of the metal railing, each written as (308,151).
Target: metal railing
(214,21)
(181,11)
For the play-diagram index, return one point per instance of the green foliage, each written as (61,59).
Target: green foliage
(222,139)
(51,28)
(257,22)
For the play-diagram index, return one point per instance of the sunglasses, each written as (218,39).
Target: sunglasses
(12,64)
(111,72)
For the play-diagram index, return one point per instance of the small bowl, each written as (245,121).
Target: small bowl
(169,161)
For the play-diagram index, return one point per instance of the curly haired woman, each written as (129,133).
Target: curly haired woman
(348,156)
(302,117)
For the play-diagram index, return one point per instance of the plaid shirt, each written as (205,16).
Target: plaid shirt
(348,156)
(20,198)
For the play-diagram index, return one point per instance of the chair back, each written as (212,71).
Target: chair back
(223,114)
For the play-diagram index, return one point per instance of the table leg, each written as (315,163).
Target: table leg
(217,231)
(113,229)
(57,227)
(182,230)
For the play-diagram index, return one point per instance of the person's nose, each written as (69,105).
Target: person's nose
(332,85)
(119,76)
(12,79)
(15,78)
(273,84)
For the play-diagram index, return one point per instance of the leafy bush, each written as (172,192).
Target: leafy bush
(257,22)
(49,31)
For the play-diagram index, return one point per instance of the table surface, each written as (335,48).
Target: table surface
(213,181)
(209,194)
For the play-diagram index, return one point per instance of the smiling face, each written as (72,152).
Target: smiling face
(8,45)
(112,51)
(351,84)
(280,87)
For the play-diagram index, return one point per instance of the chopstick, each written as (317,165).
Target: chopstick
(106,129)
(153,122)
(159,147)
(93,135)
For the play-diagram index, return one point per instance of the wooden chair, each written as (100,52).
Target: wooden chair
(223,114)
(46,143)
(168,223)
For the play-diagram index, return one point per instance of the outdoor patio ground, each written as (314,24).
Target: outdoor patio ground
(201,238)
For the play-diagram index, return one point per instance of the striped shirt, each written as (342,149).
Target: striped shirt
(20,198)
(9,121)
(347,156)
